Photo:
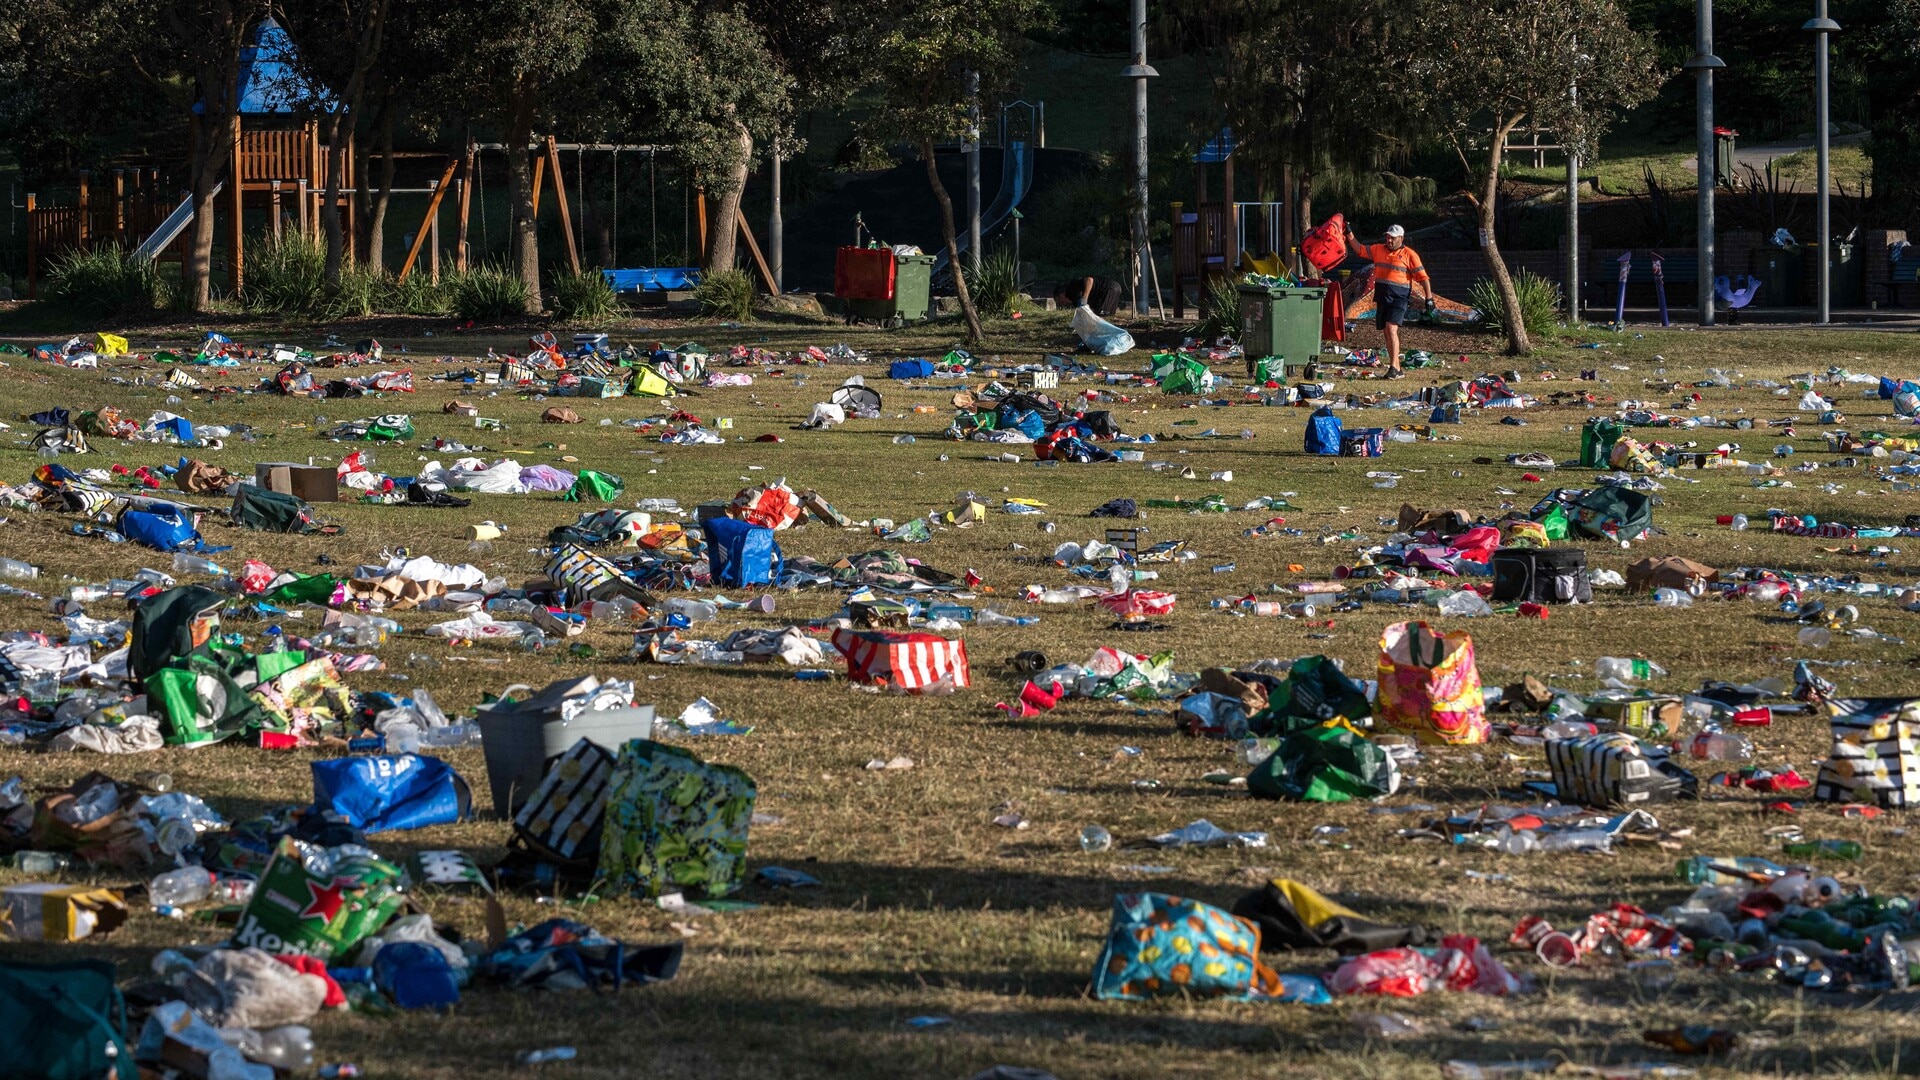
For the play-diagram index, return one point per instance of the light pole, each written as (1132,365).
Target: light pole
(972,151)
(1139,72)
(1573,204)
(1821,26)
(1703,64)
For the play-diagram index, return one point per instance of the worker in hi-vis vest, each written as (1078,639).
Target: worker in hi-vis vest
(1396,268)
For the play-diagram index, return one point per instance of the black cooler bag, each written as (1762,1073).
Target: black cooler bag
(1541,575)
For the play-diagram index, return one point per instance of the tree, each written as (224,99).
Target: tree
(1481,67)
(921,65)
(338,45)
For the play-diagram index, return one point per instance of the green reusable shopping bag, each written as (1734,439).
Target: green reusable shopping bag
(674,822)
(605,487)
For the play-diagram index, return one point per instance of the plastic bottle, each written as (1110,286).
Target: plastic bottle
(1255,750)
(95,803)
(1626,669)
(1095,838)
(189,563)
(1671,598)
(233,888)
(1569,729)
(813,675)
(1576,840)
(990,617)
(187,885)
(541,1057)
(1815,637)
(1717,746)
(903,440)
(1464,603)
(18,570)
(40,862)
(692,610)
(510,607)
(287,1048)
(1739,522)
(403,737)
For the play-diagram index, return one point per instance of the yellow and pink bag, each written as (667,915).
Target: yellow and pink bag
(1429,686)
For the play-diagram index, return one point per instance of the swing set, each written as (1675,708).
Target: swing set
(471,182)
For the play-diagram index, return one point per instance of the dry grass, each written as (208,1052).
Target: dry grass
(928,908)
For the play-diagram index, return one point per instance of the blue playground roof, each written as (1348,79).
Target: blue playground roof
(1218,149)
(270,81)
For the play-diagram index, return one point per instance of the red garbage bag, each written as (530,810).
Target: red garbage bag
(1326,245)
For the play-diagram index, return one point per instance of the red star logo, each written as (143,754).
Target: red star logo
(327,899)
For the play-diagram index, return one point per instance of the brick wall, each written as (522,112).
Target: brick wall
(1873,246)
(1454,272)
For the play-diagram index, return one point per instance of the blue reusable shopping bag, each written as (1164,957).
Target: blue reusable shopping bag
(910,369)
(741,553)
(1323,432)
(400,791)
(168,530)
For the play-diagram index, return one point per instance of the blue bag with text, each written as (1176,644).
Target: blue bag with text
(741,553)
(168,530)
(1323,432)
(400,791)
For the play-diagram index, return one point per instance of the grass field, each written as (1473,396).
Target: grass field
(929,909)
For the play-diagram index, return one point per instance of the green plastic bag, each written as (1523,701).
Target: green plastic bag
(674,822)
(1330,763)
(1315,692)
(1186,376)
(204,697)
(64,1021)
(304,589)
(605,487)
(1555,522)
(1597,437)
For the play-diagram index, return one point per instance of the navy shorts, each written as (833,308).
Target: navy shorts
(1390,304)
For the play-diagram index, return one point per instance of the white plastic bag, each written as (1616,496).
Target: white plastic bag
(1099,335)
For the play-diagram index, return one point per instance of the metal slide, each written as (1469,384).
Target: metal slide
(1016,177)
(175,224)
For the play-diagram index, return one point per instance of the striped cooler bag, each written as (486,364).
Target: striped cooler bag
(909,662)
(1610,770)
(515,371)
(1876,753)
(592,577)
(561,819)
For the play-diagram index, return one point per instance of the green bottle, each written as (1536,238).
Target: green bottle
(1848,850)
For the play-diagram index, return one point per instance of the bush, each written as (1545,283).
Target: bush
(726,295)
(418,295)
(1539,304)
(487,292)
(996,285)
(362,292)
(585,298)
(285,275)
(1219,308)
(106,282)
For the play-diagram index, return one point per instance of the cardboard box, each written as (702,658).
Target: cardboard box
(51,911)
(314,483)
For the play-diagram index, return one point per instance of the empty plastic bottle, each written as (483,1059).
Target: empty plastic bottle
(1569,729)
(287,1048)
(188,563)
(1849,850)
(1254,750)
(187,885)
(403,737)
(18,570)
(40,862)
(1673,598)
(1095,838)
(1739,522)
(541,1057)
(692,610)
(1626,669)
(1718,746)
(1815,637)
(903,440)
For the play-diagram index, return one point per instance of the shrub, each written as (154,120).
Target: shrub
(1539,304)
(585,298)
(418,295)
(362,291)
(726,295)
(487,292)
(996,284)
(106,282)
(1219,308)
(285,275)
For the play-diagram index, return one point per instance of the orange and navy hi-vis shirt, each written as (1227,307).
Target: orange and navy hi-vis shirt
(1391,267)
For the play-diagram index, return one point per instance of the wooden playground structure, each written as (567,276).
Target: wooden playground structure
(1215,236)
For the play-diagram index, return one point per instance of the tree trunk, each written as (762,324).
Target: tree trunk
(724,230)
(975,332)
(330,223)
(213,145)
(1517,343)
(523,242)
(1306,201)
(376,215)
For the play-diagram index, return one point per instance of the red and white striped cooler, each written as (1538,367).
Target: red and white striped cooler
(910,662)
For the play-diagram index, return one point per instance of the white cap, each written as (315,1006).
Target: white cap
(1395,230)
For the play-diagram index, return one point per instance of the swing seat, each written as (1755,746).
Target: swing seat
(1736,298)
(653,278)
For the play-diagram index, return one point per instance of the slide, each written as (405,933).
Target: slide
(1016,176)
(175,224)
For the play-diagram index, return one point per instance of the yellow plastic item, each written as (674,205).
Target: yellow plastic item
(110,344)
(1268,265)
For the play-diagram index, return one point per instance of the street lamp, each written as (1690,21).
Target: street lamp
(1820,26)
(1703,64)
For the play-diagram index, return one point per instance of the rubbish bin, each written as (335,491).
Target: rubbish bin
(905,302)
(1848,283)
(1779,272)
(1282,323)
(1723,154)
